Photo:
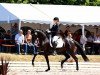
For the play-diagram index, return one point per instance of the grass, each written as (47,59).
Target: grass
(40,58)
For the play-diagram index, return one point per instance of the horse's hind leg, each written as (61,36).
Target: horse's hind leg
(66,57)
(47,60)
(33,59)
(75,58)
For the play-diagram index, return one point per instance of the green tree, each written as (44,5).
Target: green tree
(61,2)
(98,2)
(80,2)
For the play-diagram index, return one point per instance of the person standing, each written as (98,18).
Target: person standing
(90,44)
(19,40)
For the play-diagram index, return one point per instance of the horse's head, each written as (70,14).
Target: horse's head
(40,35)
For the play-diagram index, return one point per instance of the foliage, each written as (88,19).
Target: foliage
(61,2)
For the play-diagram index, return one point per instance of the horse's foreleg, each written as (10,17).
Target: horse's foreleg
(47,60)
(67,56)
(75,58)
(33,59)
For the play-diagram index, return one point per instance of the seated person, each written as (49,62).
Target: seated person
(7,37)
(90,40)
(28,41)
(36,43)
(96,45)
(19,40)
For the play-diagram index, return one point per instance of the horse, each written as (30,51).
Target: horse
(64,50)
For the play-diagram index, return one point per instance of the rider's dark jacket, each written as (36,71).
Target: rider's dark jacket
(54,30)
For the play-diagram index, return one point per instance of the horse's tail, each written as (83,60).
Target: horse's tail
(80,49)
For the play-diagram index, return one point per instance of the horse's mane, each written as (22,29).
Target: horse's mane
(60,32)
(42,33)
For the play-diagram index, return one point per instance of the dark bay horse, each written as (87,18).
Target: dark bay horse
(64,50)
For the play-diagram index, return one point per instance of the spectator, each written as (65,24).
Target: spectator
(90,40)
(97,37)
(7,37)
(96,45)
(14,30)
(29,45)
(37,43)
(19,40)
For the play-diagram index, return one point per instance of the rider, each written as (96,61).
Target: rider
(54,26)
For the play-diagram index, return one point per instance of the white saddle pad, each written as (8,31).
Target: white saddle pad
(58,40)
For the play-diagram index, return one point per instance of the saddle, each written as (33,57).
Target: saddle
(57,40)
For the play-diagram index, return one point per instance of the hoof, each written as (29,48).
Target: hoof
(87,60)
(61,65)
(77,69)
(32,63)
(47,70)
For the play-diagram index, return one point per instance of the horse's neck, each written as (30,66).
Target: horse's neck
(44,39)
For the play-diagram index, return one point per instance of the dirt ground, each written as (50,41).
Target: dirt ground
(25,68)
(21,65)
